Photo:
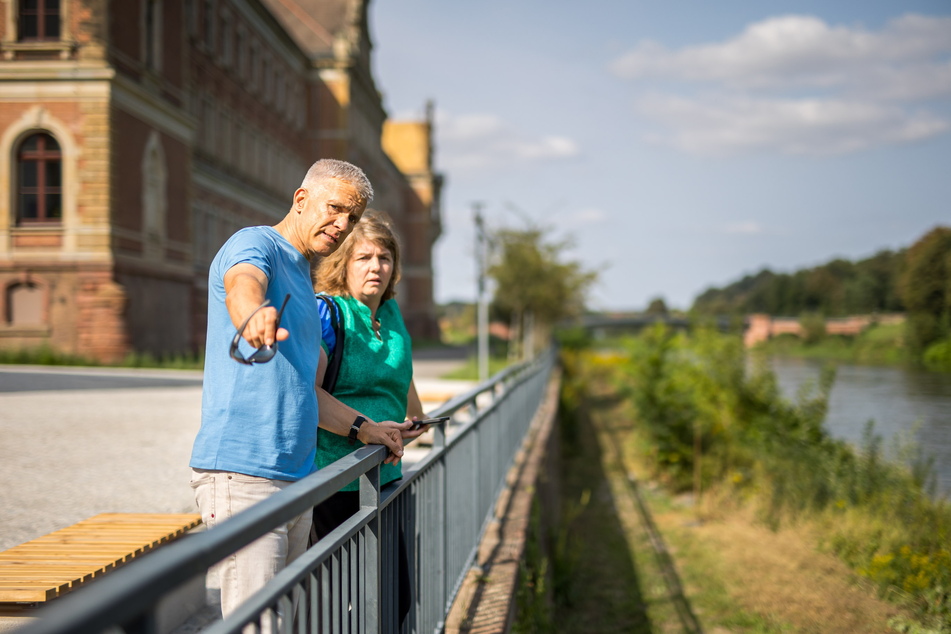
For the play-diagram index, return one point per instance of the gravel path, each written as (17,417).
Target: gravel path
(68,454)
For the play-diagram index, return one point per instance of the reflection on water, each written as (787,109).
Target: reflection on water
(913,404)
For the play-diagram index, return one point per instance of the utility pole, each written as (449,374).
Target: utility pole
(482,305)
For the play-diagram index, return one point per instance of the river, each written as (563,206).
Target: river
(904,403)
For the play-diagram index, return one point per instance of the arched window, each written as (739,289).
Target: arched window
(39,20)
(40,181)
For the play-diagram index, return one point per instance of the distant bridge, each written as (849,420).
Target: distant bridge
(756,328)
(602,325)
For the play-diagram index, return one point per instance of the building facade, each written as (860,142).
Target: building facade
(137,136)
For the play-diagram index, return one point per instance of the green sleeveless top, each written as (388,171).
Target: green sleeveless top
(374,377)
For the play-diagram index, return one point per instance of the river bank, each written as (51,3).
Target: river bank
(884,345)
(878,345)
(910,407)
(706,565)
(705,424)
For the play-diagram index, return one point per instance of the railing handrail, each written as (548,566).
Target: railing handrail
(131,593)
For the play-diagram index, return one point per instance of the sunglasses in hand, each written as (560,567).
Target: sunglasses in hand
(266,352)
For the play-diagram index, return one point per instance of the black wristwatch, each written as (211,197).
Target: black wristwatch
(355,428)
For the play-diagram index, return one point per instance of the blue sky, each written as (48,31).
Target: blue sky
(678,145)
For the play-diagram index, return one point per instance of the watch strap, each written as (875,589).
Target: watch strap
(355,428)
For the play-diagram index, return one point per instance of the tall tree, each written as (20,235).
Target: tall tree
(836,288)
(926,288)
(534,284)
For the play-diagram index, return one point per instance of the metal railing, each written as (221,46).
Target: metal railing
(348,581)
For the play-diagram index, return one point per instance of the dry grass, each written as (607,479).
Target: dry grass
(781,576)
(738,575)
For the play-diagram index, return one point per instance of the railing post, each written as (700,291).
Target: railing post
(373,581)
(439,436)
(442,514)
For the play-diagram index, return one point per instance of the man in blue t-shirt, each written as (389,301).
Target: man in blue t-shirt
(259,420)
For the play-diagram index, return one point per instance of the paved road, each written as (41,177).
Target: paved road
(75,442)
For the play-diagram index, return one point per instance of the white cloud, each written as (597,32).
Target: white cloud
(795,84)
(592,214)
(730,125)
(800,51)
(744,228)
(482,141)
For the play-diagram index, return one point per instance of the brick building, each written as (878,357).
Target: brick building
(137,136)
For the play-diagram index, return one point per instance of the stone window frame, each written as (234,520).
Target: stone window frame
(255,59)
(267,78)
(209,25)
(43,13)
(151,42)
(280,89)
(10,42)
(226,39)
(42,156)
(241,52)
(38,119)
(191,18)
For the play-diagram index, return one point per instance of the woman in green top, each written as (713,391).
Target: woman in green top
(376,372)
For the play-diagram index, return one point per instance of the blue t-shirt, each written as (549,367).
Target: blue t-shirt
(261,419)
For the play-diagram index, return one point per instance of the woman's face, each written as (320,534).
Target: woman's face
(369,272)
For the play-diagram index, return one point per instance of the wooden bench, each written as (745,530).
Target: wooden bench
(52,565)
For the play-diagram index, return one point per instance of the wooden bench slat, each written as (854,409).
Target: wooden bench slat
(47,567)
(92,540)
(68,573)
(32,590)
(68,577)
(26,595)
(91,549)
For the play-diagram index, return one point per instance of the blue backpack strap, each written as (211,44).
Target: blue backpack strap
(335,356)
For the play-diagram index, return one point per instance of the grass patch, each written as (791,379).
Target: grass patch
(46,356)
(42,356)
(171,362)
(470,370)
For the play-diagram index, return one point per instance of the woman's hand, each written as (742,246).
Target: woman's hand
(389,433)
(411,433)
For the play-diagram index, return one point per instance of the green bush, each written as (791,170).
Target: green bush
(878,514)
(938,356)
(813,327)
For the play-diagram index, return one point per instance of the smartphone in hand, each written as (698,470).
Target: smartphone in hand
(429,421)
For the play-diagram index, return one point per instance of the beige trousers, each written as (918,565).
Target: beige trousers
(220,495)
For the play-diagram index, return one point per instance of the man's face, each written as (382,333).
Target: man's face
(326,216)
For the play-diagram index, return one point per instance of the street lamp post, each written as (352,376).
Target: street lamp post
(481,300)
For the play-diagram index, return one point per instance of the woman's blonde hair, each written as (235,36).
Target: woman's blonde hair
(375,227)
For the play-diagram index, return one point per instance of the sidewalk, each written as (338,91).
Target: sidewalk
(77,442)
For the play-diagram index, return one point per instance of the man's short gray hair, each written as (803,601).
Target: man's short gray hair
(347,172)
